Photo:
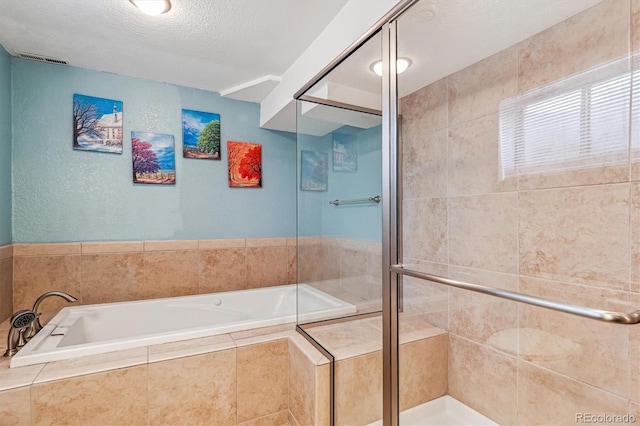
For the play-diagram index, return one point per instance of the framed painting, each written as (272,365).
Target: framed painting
(97,124)
(345,154)
(314,171)
(245,164)
(154,158)
(200,135)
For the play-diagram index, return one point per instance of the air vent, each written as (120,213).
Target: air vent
(41,58)
(56,61)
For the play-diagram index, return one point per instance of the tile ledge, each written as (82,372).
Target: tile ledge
(46,249)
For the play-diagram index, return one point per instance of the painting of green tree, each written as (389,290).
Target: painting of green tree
(200,135)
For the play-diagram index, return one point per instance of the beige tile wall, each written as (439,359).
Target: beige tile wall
(358,369)
(262,387)
(348,269)
(15,408)
(572,236)
(102,272)
(6,282)
(198,388)
(243,378)
(114,397)
(120,271)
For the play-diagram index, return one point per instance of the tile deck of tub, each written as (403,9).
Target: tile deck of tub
(345,340)
(11,378)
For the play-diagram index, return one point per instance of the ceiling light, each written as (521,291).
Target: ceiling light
(401,66)
(152,7)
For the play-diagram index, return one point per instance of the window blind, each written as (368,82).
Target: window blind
(578,122)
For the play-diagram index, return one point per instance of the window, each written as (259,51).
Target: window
(575,123)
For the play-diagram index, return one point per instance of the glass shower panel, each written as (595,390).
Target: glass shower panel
(339,222)
(339,185)
(518,173)
(340,229)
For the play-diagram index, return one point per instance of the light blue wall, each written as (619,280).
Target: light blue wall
(311,204)
(359,221)
(5,147)
(67,195)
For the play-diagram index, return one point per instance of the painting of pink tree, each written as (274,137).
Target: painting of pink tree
(153,156)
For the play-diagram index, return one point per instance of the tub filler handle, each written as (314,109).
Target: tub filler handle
(19,323)
(37,325)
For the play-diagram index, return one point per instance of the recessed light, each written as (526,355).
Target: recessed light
(152,7)
(401,66)
(425,13)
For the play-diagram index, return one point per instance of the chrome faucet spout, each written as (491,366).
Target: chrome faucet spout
(37,325)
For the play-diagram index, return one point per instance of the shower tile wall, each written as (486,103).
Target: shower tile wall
(571,235)
(112,272)
(346,268)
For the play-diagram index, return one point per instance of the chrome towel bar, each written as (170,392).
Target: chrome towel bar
(581,311)
(374,199)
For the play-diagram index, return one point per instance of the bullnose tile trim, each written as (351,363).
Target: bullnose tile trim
(47,249)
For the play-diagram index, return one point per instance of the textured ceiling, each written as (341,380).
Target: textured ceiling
(440,37)
(208,44)
(460,33)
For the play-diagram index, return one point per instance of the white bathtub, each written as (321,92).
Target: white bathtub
(92,329)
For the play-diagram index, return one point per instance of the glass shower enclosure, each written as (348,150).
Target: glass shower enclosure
(339,185)
(475,198)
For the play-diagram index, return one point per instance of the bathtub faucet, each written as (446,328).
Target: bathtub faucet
(20,322)
(37,325)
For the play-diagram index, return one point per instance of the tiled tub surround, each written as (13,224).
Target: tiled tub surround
(571,235)
(107,327)
(103,272)
(269,376)
(6,282)
(238,378)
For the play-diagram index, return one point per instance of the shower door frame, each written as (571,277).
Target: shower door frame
(390,231)
(391,225)
(392,268)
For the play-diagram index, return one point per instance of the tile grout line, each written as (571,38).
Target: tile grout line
(448,217)
(236,396)
(629,288)
(518,307)
(148,388)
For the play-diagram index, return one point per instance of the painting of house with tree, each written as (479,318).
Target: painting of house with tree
(153,156)
(245,164)
(200,135)
(97,124)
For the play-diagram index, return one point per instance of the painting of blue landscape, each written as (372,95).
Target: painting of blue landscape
(314,172)
(154,158)
(97,124)
(200,135)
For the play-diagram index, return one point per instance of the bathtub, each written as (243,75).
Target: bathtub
(93,329)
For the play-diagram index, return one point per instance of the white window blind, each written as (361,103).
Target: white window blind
(579,122)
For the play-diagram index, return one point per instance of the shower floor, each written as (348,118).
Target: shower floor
(443,411)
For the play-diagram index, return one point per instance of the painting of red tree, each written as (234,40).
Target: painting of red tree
(245,164)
